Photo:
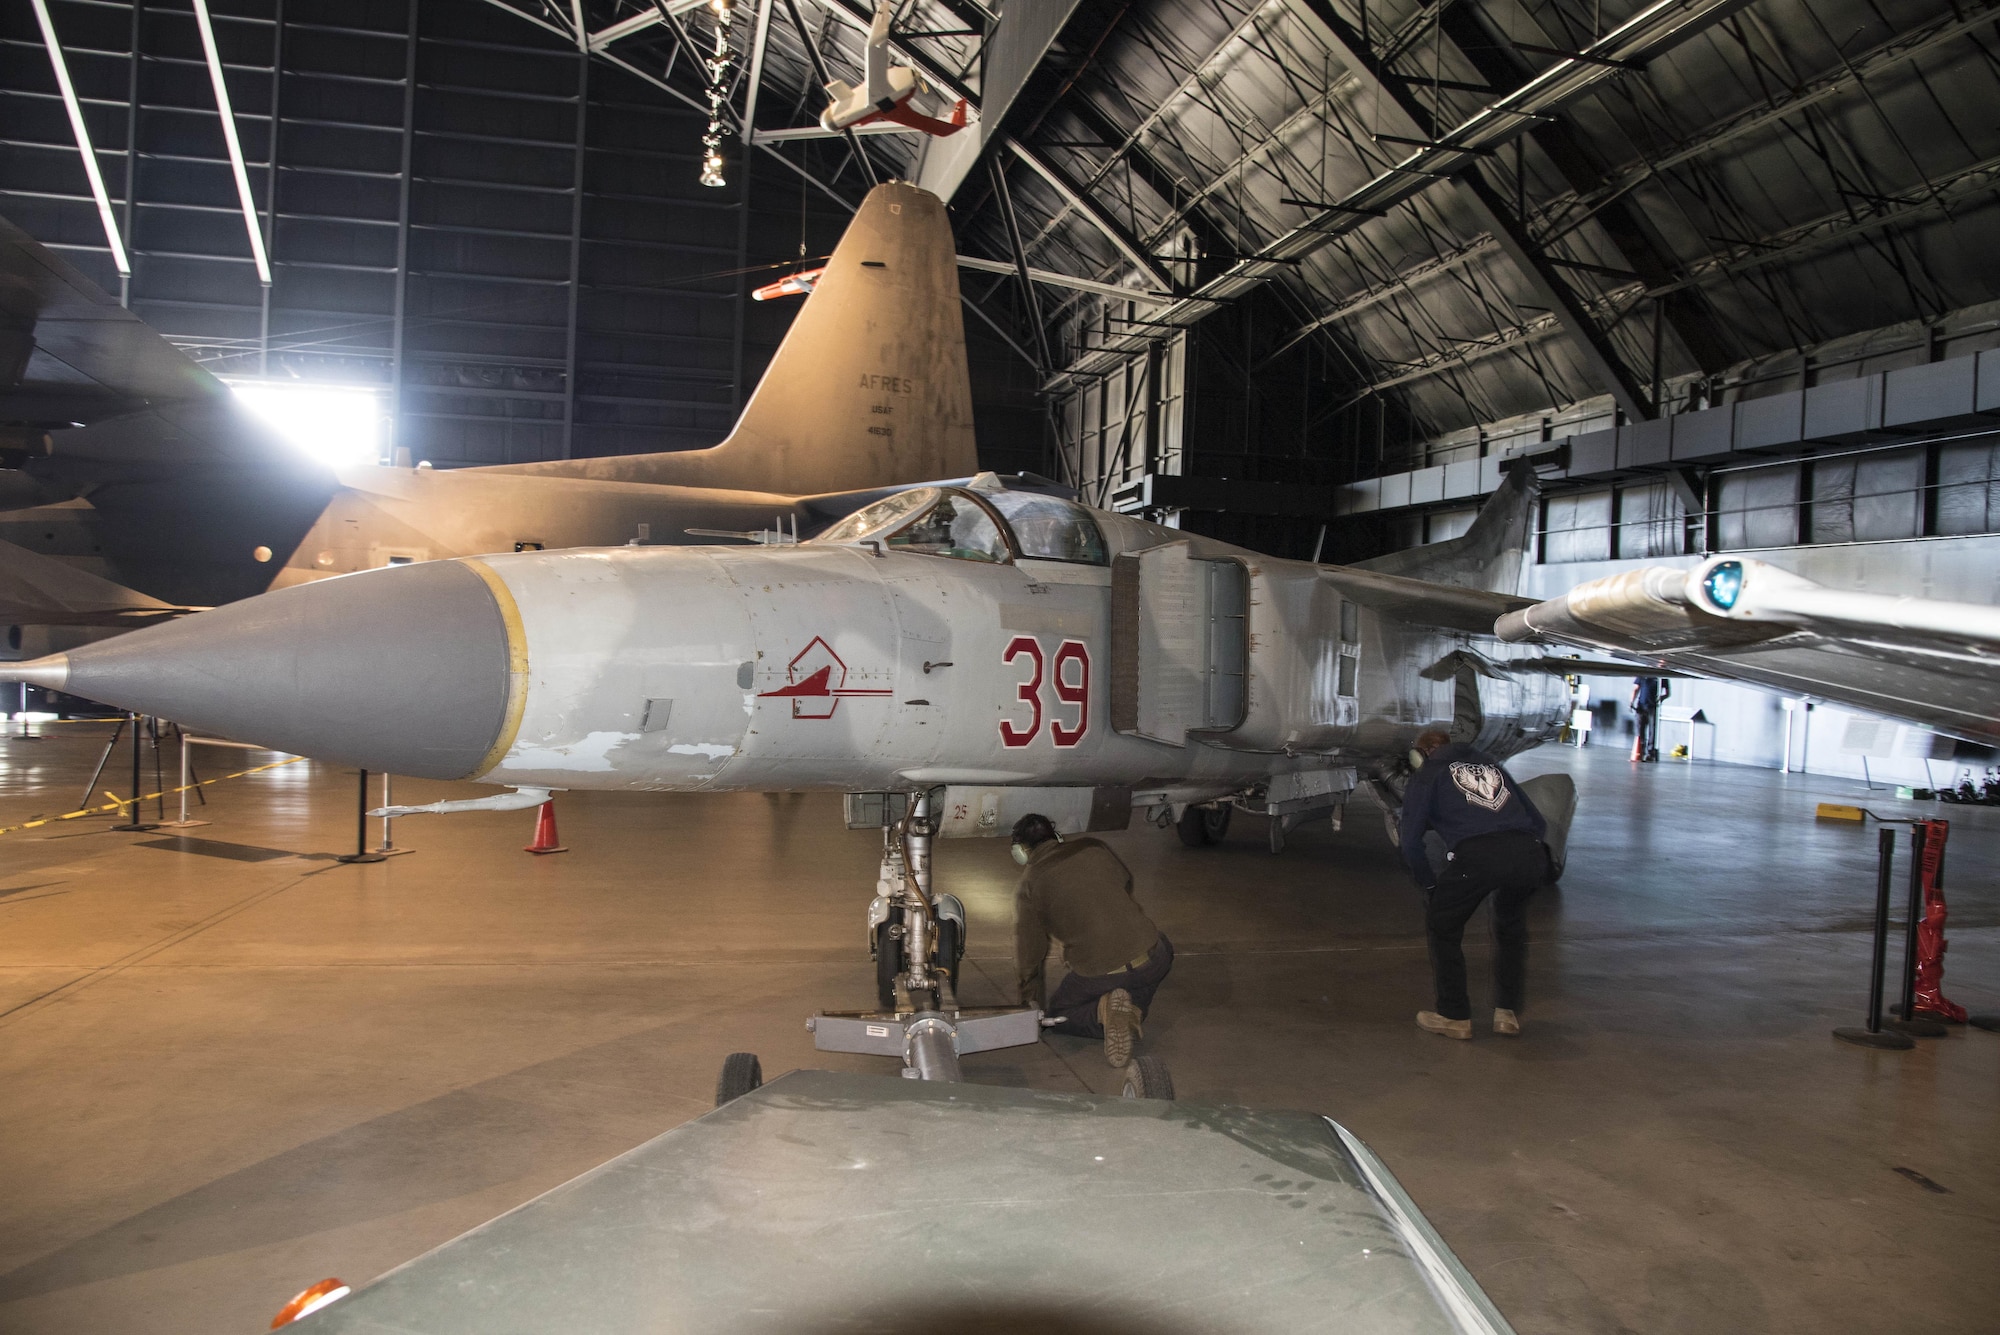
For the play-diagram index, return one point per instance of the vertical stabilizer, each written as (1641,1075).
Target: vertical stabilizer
(1490,555)
(868,389)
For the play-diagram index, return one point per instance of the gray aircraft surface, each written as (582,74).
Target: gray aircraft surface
(125,459)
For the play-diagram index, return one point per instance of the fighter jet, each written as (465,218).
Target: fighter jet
(984,650)
(1017,650)
(193,501)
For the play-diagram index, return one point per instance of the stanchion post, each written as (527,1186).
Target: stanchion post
(1875,1036)
(388,847)
(134,821)
(361,853)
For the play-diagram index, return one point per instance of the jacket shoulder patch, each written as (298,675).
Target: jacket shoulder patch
(1483,785)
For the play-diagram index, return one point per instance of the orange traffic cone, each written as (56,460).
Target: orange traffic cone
(545,831)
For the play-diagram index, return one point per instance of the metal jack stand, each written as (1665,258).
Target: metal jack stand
(1875,1036)
(187,784)
(361,851)
(927,1028)
(133,823)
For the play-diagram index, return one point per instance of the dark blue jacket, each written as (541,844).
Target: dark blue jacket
(1461,792)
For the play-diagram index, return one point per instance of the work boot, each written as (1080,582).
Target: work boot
(1505,1021)
(1442,1027)
(1119,1015)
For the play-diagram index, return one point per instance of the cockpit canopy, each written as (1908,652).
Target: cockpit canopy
(967,525)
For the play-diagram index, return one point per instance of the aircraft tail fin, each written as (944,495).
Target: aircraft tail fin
(37,590)
(1491,555)
(868,389)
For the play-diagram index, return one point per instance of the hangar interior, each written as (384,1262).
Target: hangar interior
(1304,276)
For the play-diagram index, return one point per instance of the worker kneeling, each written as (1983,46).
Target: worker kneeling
(1080,893)
(1493,840)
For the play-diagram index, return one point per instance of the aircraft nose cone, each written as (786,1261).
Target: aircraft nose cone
(410,670)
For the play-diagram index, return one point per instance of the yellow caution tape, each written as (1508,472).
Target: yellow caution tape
(117,805)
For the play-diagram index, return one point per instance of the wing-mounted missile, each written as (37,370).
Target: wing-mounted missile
(520,799)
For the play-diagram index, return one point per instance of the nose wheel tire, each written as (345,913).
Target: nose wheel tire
(741,1073)
(1147,1078)
(1201,826)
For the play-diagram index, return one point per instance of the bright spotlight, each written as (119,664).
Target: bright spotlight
(335,424)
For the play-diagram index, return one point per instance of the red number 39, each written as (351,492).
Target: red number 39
(1071,680)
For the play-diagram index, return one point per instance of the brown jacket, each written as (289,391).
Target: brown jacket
(1078,892)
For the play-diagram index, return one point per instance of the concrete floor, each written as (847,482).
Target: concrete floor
(230,1066)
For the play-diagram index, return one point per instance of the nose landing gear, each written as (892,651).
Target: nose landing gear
(919,942)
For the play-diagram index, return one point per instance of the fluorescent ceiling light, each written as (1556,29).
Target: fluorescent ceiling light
(335,424)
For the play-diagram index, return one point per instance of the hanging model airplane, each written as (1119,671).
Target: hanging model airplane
(886,91)
(791,285)
(192,500)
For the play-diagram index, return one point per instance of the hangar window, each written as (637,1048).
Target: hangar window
(1048,528)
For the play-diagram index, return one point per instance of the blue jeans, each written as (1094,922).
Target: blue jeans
(1075,997)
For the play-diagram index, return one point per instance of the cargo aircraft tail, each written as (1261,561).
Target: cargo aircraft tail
(869,387)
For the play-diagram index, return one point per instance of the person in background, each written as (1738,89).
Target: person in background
(1648,694)
(1493,846)
(1078,892)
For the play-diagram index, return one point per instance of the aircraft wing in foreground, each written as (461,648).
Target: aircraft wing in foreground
(1925,661)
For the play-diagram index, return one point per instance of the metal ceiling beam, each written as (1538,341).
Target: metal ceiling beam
(1902,48)
(1051,279)
(998,169)
(1084,206)
(1127,142)
(1635,242)
(639,22)
(1653,30)
(1839,228)
(1600,357)
(611,57)
(1849,74)
(1185,205)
